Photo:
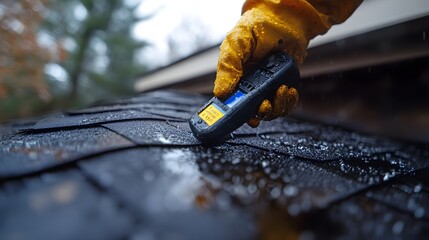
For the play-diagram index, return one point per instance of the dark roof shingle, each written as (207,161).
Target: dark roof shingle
(130,168)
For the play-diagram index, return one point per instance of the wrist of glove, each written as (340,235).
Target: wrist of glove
(268,26)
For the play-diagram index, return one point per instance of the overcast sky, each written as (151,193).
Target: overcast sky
(218,16)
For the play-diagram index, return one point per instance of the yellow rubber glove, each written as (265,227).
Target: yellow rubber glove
(268,26)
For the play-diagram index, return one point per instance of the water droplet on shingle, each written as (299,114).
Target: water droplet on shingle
(417,188)
(275,192)
(419,213)
(398,227)
(265,163)
(290,191)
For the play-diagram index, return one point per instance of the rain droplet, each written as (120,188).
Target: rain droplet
(398,227)
(386,177)
(418,188)
(262,182)
(265,163)
(237,180)
(419,213)
(235,161)
(248,177)
(32,155)
(290,190)
(275,192)
(324,147)
(267,170)
(252,188)
(286,179)
(294,209)
(217,167)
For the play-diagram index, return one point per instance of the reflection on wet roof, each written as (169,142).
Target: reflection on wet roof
(130,168)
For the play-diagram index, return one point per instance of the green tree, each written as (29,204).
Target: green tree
(97,35)
(62,53)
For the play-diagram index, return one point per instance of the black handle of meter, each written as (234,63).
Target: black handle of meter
(213,123)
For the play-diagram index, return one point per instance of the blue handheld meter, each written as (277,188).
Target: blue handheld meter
(217,119)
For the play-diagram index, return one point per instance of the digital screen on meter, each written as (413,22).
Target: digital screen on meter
(211,114)
(235,98)
(214,122)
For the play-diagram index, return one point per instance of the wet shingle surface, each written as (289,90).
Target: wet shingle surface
(131,169)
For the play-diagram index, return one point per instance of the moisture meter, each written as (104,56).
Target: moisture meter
(218,118)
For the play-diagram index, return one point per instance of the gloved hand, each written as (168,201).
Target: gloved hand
(268,26)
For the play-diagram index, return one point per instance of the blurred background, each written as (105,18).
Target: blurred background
(57,54)
(370,73)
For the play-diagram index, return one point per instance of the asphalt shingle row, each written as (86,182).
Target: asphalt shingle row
(133,167)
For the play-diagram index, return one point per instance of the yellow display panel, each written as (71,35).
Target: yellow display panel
(211,114)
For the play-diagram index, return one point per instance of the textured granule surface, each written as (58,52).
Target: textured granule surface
(131,168)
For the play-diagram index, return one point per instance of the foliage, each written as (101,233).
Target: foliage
(62,53)
(22,58)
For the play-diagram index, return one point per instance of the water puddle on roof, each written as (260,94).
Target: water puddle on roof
(187,187)
(161,138)
(225,181)
(180,165)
